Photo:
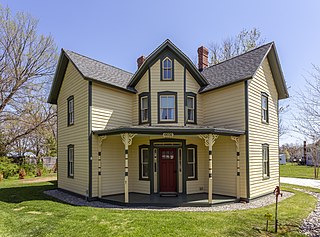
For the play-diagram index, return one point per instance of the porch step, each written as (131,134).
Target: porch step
(168,194)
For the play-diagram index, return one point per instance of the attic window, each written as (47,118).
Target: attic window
(167,69)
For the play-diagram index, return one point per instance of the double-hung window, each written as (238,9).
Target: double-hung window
(192,162)
(70,161)
(70,110)
(144,108)
(167,107)
(264,108)
(191,108)
(167,69)
(265,161)
(144,162)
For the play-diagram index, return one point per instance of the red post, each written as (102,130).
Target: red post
(277,193)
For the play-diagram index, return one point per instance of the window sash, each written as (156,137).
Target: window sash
(167,69)
(167,108)
(144,161)
(190,109)
(264,108)
(71,111)
(144,111)
(71,161)
(191,163)
(265,161)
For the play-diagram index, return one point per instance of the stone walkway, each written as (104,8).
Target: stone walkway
(257,203)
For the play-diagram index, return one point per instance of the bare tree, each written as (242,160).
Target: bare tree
(307,120)
(27,63)
(233,46)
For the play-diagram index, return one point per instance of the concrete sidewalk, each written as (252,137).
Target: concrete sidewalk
(302,182)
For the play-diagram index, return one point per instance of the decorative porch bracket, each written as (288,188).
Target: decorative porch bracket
(236,139)
(209,140)
(127,141)
(100,141)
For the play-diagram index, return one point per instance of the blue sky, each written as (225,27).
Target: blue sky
(118,32)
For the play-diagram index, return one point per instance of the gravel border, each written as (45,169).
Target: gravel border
(256,203)
(311,225)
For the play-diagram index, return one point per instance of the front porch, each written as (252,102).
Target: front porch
(199,165)
(190,200)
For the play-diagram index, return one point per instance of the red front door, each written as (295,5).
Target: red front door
(168,171)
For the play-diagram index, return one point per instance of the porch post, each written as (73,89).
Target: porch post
(99,164)
(209,140)
(236,139)
(127,141)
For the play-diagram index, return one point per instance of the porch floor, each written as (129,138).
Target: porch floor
(190,200)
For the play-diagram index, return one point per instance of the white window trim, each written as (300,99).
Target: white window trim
(193,109)
(166,68)
(174,108)
(143,109)
(143,163)
(193,163)
(265,161)
(264,111)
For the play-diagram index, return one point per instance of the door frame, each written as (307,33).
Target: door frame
(152,168)
(176,168)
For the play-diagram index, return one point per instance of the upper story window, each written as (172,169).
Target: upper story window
(70,161)
(167,107)
(70,110)
(191,107)
(264,108)
(265,161)
(144,108)
(167,69)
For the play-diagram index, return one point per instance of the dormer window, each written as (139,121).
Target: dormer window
(167,69)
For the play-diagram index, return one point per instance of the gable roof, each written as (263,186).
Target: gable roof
(240,68)
(167,44)
(244,67)
(90,69)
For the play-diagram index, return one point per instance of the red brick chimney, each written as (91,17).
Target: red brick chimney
(140,61)
(202,58)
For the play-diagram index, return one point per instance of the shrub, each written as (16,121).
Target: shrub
(7,167)
(30,169)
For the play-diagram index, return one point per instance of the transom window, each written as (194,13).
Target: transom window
(264,108)
(191,162)
(144,162)
(191,105)
(70,161)
(265,161)
(144,111)
(167,108)
(70,110)
(167,69)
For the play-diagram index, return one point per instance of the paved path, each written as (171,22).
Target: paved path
(302,182)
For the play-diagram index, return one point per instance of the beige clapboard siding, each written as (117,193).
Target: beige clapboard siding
(110,107)
(77,134)
(193,86)
(142,86)
(225,107)
(260,133)
(176,85)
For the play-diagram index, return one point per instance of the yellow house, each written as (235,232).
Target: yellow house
(170,131)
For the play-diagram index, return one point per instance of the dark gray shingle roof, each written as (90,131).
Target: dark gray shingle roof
(235,69)
(99,71)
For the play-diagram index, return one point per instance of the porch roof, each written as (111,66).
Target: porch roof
(170,129)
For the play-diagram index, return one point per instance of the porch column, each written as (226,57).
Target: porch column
(236,139)
(100,141)
(127,141)
(209,140)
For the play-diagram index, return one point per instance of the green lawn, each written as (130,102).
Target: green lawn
(296,171)
(26,211)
